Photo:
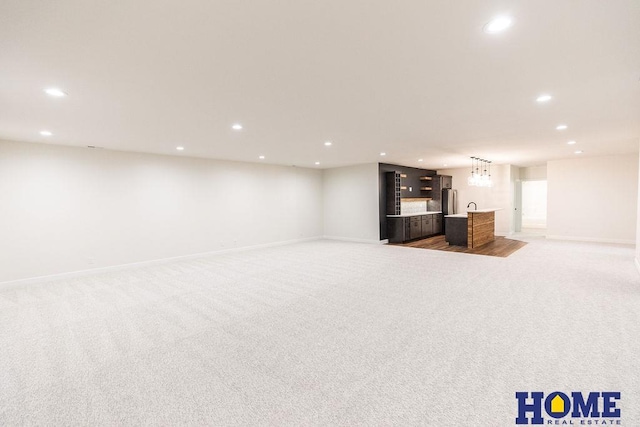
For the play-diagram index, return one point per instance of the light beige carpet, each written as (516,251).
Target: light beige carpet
(323,333)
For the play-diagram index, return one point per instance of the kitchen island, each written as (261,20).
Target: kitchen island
(471,229)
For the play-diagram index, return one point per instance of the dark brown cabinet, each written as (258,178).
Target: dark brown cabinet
(427,225)
(437,224)
(446,181)
(416,228)
(402,229)
(398,229)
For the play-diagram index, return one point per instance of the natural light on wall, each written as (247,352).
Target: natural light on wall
(480,173)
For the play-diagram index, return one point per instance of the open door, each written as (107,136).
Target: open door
(534,206)
(517,207)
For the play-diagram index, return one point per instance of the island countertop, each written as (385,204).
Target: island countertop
(464,214)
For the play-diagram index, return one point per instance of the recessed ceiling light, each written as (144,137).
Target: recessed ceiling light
(445,165)
(236,126)
(420,160)
(179,148)
(317,163)
(497,24)
(261,157)
(578,152)
(544,98)
(561,127)
(328,143)
(54,91)
(571,142)
(383,154)
(45,133)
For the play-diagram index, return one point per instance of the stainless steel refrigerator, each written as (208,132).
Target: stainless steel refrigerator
(449,201)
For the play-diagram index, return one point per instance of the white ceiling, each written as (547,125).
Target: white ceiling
(413,78)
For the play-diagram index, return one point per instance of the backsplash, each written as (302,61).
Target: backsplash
(413,207)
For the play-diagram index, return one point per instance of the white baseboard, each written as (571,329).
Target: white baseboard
(591,239)
(355,240)
(77,273)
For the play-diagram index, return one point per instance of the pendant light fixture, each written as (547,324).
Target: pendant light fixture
(480,173)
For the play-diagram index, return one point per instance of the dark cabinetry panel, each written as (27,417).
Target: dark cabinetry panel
(402,229)
(446,181)
(427,225)
(456,231)
(416,227)
(396,230)
(393,193)
(437,224)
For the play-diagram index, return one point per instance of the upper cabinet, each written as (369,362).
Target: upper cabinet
(446,181)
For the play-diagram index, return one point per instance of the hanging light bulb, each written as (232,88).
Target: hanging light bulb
(471,178)
(485,176)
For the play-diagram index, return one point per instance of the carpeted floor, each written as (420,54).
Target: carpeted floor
(323,333)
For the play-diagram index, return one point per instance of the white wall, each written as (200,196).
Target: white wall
(637,260)
(351,203)
(533,173)
(66,209)
(593,199)
(498,196)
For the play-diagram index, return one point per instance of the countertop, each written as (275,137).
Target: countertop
(415,214)
(464,214)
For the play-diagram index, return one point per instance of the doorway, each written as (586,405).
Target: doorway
(534,207)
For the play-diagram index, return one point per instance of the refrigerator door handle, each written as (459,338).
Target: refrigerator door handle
(455,201)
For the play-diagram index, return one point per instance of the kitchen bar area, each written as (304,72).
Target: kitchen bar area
(418,204)
(419,209)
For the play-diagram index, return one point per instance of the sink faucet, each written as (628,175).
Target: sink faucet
(475,208)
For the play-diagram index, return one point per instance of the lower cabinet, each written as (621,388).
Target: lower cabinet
(402,229)
(427,225)
(398,229)
(437,224)
(416,228)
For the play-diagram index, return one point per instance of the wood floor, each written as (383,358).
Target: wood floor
(501,247)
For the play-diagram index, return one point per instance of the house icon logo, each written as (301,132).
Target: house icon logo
(573,408)
(557,405)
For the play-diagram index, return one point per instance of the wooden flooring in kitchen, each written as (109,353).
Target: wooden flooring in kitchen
(501,247)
